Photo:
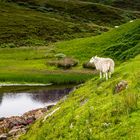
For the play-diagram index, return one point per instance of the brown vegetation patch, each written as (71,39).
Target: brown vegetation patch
(64,63)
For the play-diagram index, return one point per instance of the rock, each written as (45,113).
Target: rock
(30,120)
(38,114)
(15,121)
(14,126)
(23,130)
(13,132)
(121,86)
(3,136)
(16,131)
(17,127)
(1,119)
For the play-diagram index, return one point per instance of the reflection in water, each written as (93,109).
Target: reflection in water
(13,104)
(50,95)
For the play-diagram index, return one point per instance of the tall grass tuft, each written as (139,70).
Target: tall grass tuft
(130,102)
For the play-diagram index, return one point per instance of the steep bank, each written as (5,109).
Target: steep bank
(96,111)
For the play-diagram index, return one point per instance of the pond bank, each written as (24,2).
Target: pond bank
(13,127)
(18,84)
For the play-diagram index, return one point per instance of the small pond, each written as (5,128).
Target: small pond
(16,100)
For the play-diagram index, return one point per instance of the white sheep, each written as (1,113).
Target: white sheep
(104,65)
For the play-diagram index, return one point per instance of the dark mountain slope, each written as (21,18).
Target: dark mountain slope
(35,22)
(125,4)
(82,11)
(23,26)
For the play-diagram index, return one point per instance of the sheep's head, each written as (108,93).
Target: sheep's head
(93,59)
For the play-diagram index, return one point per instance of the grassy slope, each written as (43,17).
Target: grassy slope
(94,111)
(84,11)
(24,26)
(120,44)
(30,64)
(94,105)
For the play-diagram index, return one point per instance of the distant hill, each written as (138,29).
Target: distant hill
(35,22)
(125,4)
(24,26)
(82,11)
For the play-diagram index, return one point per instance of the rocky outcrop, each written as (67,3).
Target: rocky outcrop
(121,86)
(14,126)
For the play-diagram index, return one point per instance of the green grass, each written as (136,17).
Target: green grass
(30,64)
(120,44)
(39,77)
(94,111)
(21,65)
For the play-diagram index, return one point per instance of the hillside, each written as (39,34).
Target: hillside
(27,23)
(82,11)
(95,110)
(124,4)
(20,26)
(120,44)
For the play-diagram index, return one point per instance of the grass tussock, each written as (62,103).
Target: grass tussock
(65,63)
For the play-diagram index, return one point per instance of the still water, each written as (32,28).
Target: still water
(16,100)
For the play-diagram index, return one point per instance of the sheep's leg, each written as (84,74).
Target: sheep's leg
(106,75)
(109,75)
(100,75)
(103,75)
